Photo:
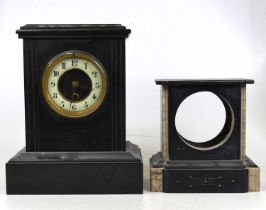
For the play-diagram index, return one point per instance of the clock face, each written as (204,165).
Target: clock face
(74,84)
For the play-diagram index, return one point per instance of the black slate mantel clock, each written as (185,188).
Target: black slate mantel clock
(75,113)
(217,165)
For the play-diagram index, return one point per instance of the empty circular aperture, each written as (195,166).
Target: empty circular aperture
(200,120)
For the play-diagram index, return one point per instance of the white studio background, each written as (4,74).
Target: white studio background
(169,39)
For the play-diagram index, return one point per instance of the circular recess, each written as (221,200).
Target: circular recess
(77,79)
(204,120)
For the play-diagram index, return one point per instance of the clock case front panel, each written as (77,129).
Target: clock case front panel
(103,130)
(231,148)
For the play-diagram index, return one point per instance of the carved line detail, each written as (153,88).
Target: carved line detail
(192,181)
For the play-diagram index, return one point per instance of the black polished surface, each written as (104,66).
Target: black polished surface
(206,82)
(75,30)
(76,172)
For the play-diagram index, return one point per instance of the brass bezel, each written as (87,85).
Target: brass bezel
(49,68)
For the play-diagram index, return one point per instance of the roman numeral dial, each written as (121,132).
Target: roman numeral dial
(74,84)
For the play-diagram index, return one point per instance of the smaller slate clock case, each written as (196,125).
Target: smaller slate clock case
(89,155)
(103,130)
(219,165)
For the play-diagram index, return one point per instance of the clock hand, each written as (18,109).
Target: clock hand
(85,87)
(71,101)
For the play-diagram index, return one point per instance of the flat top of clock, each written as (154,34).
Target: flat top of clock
(94,29)
(176,82)
(73,26)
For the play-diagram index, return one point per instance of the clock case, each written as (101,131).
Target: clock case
(104,129)
(75,155)
(219,165)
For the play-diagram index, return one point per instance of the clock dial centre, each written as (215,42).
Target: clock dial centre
(71,84)
(75,84)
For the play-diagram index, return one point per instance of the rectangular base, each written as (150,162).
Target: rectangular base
(203,176)
(76,172)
